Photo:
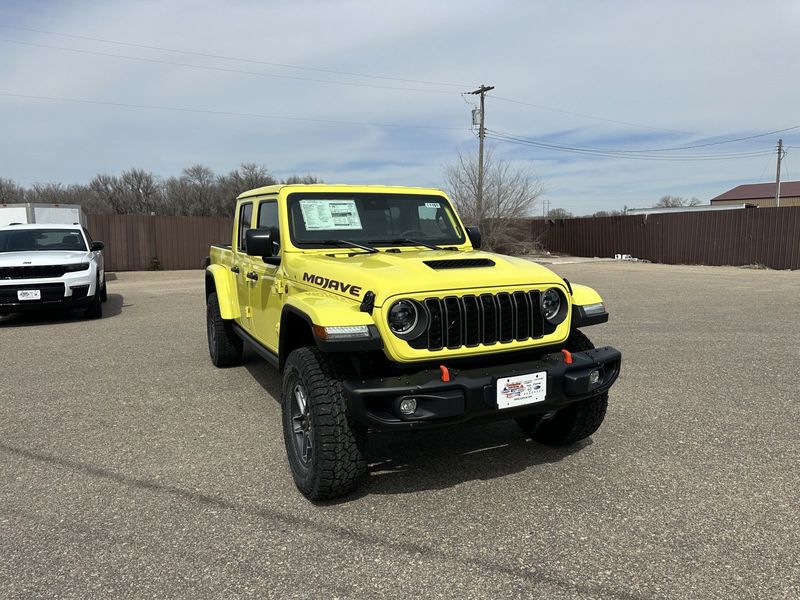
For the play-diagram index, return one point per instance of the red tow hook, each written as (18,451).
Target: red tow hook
(445,373)
(567,356)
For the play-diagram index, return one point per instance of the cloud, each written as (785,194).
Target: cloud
(703,68)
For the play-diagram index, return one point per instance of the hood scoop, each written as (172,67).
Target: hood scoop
(463,263)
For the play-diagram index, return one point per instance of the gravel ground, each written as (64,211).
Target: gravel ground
(130,467)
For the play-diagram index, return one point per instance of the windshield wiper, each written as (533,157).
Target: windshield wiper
(350,244)
(407,241)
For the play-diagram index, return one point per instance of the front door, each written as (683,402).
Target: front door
(265,300)
(242,265)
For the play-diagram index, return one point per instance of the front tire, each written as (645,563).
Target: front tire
(224,346)
(95,310)
(572,423)
(324,446)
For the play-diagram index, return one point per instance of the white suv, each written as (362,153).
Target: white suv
(51,267)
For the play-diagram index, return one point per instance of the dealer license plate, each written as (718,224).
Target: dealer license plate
(521,390)
(29,294)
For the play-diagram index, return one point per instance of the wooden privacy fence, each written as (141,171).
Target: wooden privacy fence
(763,236)
(136,242)
(752,236)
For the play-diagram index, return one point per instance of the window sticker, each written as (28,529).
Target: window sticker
(432,205)
(321,215)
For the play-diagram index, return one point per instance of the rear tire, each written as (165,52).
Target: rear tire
(572,423)
(224,346)
(324,445)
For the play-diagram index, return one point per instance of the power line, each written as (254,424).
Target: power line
(224,69)
(593,117)
(671,149)
(227,113)
(635,157)
(299,67)
(333,71)
(611,154)
(233,58)
(611,150)
(764,170)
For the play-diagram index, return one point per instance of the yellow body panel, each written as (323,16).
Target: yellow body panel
(327,309)
(328,285)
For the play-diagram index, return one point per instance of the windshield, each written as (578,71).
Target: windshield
(372,218)
(31,240)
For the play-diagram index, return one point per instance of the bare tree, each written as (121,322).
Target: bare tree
(674,201)
(142,192)
(10,192)
(195,192)
(247,177)
(611,213)
(57,193)
(559,213)
(302,179)
(509,195)
(105,190)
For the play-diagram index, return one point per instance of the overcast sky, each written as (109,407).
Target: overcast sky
(653,75)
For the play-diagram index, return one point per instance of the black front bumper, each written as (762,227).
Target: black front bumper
(471,393)
(52,297)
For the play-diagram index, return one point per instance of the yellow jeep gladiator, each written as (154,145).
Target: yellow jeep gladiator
(382,313)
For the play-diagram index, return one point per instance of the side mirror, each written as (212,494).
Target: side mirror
(259,242)
(474,235)
(97,246)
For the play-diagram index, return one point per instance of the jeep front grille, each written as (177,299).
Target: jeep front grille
(486,319)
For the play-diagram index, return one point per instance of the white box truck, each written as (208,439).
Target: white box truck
(30,213)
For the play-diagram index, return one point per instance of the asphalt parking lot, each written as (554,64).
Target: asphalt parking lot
(130,467)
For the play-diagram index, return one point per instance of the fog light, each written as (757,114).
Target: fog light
(408,406)
(594,377)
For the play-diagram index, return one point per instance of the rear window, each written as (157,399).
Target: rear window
(32,240)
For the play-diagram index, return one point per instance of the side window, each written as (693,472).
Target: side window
(268,219)
(245,220)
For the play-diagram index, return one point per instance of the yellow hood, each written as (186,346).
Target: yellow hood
(389,274)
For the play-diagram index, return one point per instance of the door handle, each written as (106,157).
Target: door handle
(252,276)
(235,270)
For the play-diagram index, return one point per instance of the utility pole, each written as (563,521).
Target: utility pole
(481,133)
(781,154)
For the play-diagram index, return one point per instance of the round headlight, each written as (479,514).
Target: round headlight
(403,317)
(551,304)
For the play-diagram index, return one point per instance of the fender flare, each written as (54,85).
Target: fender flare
(220,280)
(583,295)
(587,307)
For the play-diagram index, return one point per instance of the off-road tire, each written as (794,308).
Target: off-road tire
(574,422)
(224,346)
(95,308)
(336,464)
(104,292)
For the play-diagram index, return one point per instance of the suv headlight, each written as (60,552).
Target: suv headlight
(554,306)
(407,319)
(76,267)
